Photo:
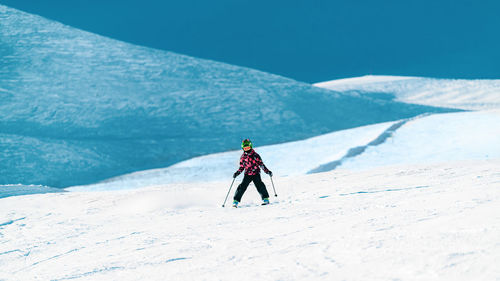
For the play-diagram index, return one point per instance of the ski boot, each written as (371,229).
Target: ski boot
(235,203)
(265,201)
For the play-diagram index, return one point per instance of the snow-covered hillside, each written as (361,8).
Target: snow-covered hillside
(77,107)
(288,159)
(436,138)
(453,93)
(425,222)
(426,139)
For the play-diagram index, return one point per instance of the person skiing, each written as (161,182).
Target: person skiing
(251,162)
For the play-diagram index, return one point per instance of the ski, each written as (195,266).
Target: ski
(254,205)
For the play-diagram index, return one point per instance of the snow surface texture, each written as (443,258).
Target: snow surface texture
(453,93)
(76,108)
(427,139)
(16,190)
(425,222)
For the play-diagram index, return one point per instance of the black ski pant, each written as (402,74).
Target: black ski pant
(261,187)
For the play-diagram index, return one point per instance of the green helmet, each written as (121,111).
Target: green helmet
(246,143)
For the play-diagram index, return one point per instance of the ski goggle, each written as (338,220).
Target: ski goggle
(247,148)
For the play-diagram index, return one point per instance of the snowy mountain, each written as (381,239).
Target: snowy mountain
(77,108)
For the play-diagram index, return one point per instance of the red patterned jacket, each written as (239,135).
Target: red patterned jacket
(250,161)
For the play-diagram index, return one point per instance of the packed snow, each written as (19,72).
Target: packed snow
(436,138)
(423,222)
(18,189)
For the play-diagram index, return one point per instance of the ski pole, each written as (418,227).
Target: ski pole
(228,193)
(273,186)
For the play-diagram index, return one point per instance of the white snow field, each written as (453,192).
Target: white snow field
(422,222)
(436,138)
(453,93)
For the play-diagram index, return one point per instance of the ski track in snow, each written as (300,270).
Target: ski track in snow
(358,150)
(421,222)
(384,190)
(434,139)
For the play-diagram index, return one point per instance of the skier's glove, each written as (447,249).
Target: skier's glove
(270,173)
(236,174)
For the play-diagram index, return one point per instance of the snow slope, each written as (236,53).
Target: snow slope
(425,222)
(76,108)
(426,139)
(287,159)
(436,138)
(453,93)
(17,189)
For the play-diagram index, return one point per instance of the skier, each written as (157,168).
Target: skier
(250,161)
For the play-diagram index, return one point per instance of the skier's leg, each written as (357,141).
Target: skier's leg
(242,188)
(261,187)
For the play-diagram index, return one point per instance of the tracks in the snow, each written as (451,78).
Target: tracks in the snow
(358,150)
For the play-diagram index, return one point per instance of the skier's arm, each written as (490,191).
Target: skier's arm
(261,163)
(242,167)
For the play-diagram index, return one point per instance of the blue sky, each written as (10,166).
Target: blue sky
(309,41)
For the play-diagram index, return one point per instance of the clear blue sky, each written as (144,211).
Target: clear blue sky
(306,40)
